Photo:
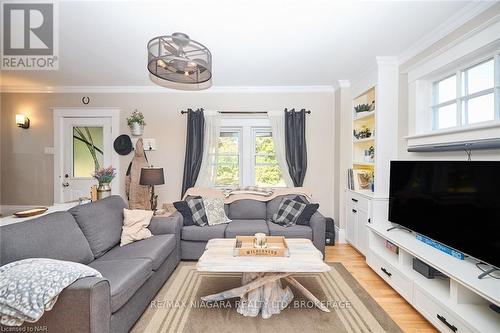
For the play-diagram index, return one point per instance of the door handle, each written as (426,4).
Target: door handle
(354,200)
(385,271)
(65,184)
(354,211)
(444,321)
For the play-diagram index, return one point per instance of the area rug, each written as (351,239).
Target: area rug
(178,308)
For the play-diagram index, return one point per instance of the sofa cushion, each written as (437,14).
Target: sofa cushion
(247,209)
(288,212)
(293,231)
(246,228)
(54,236)
(125,277)
(156,249)
(308,212)
(198,212)
(273,205)
(203,234)
(101,223)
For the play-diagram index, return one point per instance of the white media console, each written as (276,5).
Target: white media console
(459,303)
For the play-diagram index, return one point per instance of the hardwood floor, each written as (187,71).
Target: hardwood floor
(396,306)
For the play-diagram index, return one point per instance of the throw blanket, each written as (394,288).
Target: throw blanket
(31,286)
(214,193)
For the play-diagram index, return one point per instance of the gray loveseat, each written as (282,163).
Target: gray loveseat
(250,217)
(90,234)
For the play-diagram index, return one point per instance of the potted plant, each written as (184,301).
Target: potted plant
(104,176)
(136,123)
(361,109)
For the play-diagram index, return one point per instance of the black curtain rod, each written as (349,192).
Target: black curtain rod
(244,112)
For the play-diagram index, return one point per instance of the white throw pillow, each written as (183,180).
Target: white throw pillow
(214,208)
(135,225)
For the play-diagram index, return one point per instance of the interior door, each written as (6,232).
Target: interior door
(86,145)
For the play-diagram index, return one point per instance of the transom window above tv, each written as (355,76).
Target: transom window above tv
(468,96)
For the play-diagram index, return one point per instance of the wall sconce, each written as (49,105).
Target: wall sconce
(22,121)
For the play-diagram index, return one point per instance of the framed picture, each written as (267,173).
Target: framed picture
(362,180)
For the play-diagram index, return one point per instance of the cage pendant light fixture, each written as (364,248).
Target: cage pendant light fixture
(179,62)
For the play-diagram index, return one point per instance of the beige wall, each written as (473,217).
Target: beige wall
(27,173)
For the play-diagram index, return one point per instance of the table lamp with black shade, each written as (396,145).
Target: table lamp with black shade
(151,177)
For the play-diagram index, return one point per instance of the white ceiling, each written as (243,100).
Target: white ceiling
(253,43)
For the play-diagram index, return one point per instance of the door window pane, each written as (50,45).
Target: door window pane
(481,109)
(87,150)
(447,89)
(447,116)
(480,77)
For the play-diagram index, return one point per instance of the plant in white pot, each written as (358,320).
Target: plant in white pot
(136,123)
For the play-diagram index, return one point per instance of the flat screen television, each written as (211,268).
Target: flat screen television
(456,203)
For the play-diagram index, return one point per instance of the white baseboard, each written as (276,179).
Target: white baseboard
(339,235)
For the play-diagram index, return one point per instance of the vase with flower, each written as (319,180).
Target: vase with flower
(104,176)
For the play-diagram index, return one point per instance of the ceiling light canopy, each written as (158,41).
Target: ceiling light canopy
(179,62)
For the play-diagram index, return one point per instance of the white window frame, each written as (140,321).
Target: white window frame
(248,127)
(461,100)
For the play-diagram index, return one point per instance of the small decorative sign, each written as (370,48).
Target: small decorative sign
(441,247)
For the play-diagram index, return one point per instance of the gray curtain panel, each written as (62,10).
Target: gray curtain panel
(295,145)
(194,148)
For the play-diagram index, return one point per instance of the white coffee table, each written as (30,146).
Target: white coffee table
(261,289)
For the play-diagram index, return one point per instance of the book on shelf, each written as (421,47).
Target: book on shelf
(350,179)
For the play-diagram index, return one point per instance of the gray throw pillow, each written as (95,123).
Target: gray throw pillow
(198,211)
(288,212)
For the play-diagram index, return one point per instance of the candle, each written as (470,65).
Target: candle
(260,240)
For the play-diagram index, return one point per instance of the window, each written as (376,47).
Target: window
(228,158)
(246,155)
(266,169)
(87,150)
(467,97)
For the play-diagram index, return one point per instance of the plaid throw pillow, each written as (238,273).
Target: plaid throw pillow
(198,211)
(288,212)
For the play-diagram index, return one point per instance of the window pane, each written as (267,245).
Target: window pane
(481,109)
(269,175)
(264,143)
(87,150)
(269,159)
(480,77)
(227,159)
(447,116)
(228,142)
(447,89)
(227,175)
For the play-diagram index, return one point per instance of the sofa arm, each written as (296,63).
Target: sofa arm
(172,224)
(318,226)
(84,306)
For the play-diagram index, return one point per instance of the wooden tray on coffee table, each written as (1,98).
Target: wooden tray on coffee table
(276,247)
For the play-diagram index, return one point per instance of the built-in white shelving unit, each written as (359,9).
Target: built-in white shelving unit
(457,303)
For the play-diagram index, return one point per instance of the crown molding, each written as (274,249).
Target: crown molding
(344,83)
(458,19)
(158,89)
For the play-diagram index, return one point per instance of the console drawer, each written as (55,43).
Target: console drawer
(358,201)
(391,275)
(437,313)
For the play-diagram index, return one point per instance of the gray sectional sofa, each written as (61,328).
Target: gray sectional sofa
(132,274)
(249,217)
(90,234)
